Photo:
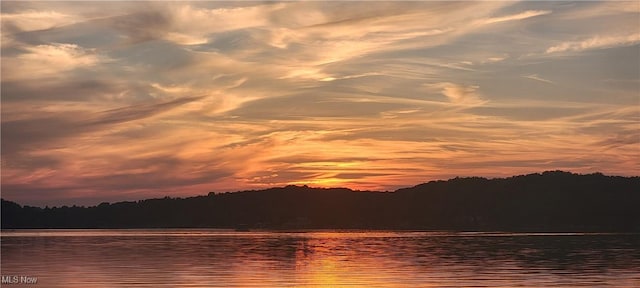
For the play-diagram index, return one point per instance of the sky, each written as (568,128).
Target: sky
(112,101)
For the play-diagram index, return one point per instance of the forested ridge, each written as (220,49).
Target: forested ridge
(549,201)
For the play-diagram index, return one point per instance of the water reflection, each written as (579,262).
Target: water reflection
(212,258)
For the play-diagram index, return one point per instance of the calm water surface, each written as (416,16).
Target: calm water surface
(215,258)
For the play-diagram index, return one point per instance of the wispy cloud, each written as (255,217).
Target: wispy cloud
(36,20)
(459,94)
(519,16)
(537,78)
(49,61)
(597,42)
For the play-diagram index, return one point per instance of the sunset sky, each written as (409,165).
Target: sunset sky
(111,101)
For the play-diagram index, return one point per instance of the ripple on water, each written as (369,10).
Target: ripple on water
(218,258)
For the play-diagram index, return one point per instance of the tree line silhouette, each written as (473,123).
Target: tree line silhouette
(549,201)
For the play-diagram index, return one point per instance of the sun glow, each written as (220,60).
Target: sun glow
(323,182)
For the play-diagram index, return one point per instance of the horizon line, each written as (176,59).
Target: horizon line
(327,188)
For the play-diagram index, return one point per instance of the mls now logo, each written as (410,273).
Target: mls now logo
(13,279)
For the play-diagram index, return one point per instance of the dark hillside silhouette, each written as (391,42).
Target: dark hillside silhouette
(551,201)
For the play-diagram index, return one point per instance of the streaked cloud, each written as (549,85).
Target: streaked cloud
(519,16)
(596,42)
(537,78)
(36,20)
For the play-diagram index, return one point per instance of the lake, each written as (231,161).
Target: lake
(223,258)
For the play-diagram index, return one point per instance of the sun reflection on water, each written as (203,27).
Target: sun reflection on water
(214,258)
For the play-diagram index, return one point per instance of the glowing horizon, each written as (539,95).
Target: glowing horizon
(106,101)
